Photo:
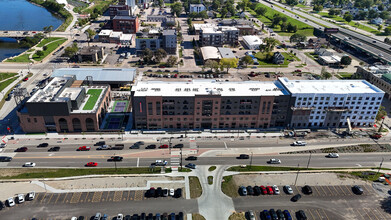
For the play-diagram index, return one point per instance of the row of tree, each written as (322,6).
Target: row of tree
(225,63)
(153,57)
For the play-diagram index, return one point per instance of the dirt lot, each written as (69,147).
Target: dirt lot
(361,148)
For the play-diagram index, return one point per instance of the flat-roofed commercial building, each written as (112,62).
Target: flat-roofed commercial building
(60,107)
(329,103)
(204,104)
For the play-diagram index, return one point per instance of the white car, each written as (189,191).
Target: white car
(276,190)
(288,189)
(20,198)
(274,161)
(29,164)
(120,217)
(10,202)
(172,192)
(299,143)
(332,155)
(74,218)
(161,162)
(31,195)
(3,145)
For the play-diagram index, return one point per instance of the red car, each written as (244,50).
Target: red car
(84,148)
(270,190)
(21,149)
(91,164)
(263,189)
(25,78)
(163,146)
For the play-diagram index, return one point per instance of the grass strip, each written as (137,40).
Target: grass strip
(211,168)
(94,95)
(229,187)
(195,187)
(237,216)
(210,180)
(50,48)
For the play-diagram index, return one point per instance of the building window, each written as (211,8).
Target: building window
(35,120)
(28,120)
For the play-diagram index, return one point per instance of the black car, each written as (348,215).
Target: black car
(135,217)
(178,193)
(300,215)
(307,189)
(54,149)
(21,149)
(243,156)
(116,158)
(250,190)
(273,214)
(280,215)
(180,215)
(265,214)
(159,192)
(178,146)
(135,146)
(80,218)
(191,166)
(127,217)
(2,206)
(191,158)
(357,190)
(5,159)
(165,216)
(151,192)
(151,146)
(100,143)
(296,198)
(143,216)
(150,216)
(43,145)
(257,191)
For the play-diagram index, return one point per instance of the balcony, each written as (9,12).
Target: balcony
(304,108)
(337,109)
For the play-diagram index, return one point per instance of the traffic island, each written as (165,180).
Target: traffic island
(195,187)
(197,216)
(229,187)
(237,216)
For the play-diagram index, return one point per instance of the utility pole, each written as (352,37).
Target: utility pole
(181,158)
(297,175)
(309,159)
(381,163)
(251,160)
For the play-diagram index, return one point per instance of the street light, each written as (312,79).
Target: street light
(309,159)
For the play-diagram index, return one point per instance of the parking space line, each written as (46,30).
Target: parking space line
(39,197)
(97,196)
(373,213)
(369,190)
(317,212)
(317,191)
(138,195)
(335,190)
(107,197)
(85,198)
(325,214)
(117,196)
(297,189)
(382,213)
(358,211)
(58,196)
(309,210)
(65,199)
(43,198)
(75,197)
(366,213)
(52,194)
(321,187)
(349,190)
(342,190)
(331,192)
(127,199)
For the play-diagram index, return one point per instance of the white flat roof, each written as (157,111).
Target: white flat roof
(116,34)
(329,86)
(228,28)
(208,87)
(198,27)
(252,40)
(71,93)
(127,37)
(49,93)
(210,52)
(210,30)
(105,32)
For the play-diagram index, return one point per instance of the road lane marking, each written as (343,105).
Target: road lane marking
(138,161)
(225,145)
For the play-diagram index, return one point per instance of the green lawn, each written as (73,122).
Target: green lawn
(4,76)
(47,40)
(266,19)
(264,62)
(4,84)
(99,5)
(24,58)
(50,48)
(94,95)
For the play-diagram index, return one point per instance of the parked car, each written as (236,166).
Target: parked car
(178,193)
(243,156)
(25,79)
(288,189)
(20,198)
(263,189)
(299,143)
(250,215)
(276,190)
(257,191)
(10,202)
(84,148)
(296,198)
(280,215)
(98,216)
(21,149)
(243,191)
(357,190)
(274,161)
(91,164)
(57,148)
(120,216)
(332,155)
(270,190)
(165,192)
(273,214)
(287,215)
(300,215)
(171,192)
(307,189)
(29,164)
(250,190)
(2,206)
(266,215)
(191,158)
(31,196)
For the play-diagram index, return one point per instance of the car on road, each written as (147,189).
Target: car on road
(2,206)
(161,163)
(242,191)
(21,149)
(5,159)
(100,143)
(307,189)
(43,145)
(250,190)
(274,161)
(191,165)
(288,189)
(332,155)
(163,146)
(91,164)
(20,198)
(29,164)
(287,215)
(299,143)
(31,196)
(276,190)
(178,146)
(3,145)
(10,202)
(270,190)
(296,198)
(135,146)
(266,215)
(57,148)
(243,156)
(25,79)
(116,158)
(151,146)
(84,148)
(263,189)
(300,215)
(191,158)
(250,215)
(357,190)
(104,147)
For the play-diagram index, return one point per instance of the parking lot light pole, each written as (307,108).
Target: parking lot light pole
(251,160)
(309,160)
(297,175)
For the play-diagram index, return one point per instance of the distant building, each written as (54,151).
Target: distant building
(278,58)
(378,75)
(332,60)
(252,42)
(166,39)
(377,21)
(210,53)
(323,52)
(126,24)
(104,36)
(163,19)
(219,36)
(197,8)
(169,41)
(93,54)
(226,52)
(131,3)
(114,10)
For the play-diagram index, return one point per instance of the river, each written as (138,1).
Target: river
(21,15)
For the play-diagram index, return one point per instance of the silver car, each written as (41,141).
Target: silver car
(288,189)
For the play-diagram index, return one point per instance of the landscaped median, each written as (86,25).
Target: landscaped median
(195,187)
(36,173)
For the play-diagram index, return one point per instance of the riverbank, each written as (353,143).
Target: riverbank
(57,9)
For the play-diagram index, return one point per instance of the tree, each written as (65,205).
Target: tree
(147,55)
(211,64)
(216,4)
(324,74)
(90,35)
(171,60)
(159,55)
(387,31)
(332,12)
(381,113)
(379,27)
(203,15)
(318,8)
(243,4)
(346,60)
(44,47)
(269,43)
(48,29)
(292,2)
(247,60)
(224,12)
(228,63)
(384,15)
(71,50)
(297,38)
(176,8)
(291,28)
(276,20)
(261,11)
(39,53)
(283,26)
(348,17)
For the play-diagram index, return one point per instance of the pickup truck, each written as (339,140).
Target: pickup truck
(104,147)
(84,148)
(299,143)
(118,147)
